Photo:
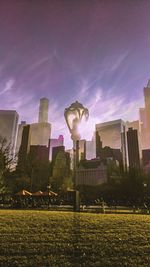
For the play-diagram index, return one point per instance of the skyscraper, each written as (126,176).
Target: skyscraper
(24,146)
(112,134)
(40,132)
(61,162)
(8,127)
(147,102)
(133,148)
(145,119)
(35,137)
(43,110)
(91,148)
(98,145)
(136,125)
(56,142)
(19,135)
(82,149)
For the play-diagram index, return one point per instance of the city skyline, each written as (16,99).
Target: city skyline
(101,59)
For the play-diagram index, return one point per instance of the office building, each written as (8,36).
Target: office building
(60,162)
(24,147)
(144,114)
(147,102)
(35,137)
(40,153)
(19,135)
(145,156)
(43,110)
(8,127)
(112,134)
(98,145)
(55,151)
(71,156)
(37,152)
(136,125)
(133,149)
(40,133)
(146,160)
(55,142)
(82,149)
(91,149)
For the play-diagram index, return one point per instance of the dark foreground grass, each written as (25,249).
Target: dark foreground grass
(47,238)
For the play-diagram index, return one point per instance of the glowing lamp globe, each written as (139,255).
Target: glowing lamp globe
(74,115)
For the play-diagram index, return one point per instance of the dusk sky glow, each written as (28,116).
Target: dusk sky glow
(96,52)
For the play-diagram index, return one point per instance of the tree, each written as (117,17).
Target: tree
(7,163)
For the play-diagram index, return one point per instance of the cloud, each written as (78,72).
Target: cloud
(8,86)
(21,101)
(101,109)
(105,108)
(118,60)
(43,60)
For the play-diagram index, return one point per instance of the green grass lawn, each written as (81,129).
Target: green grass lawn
(48,238)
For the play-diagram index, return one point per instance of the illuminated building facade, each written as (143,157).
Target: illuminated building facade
(147,103)
(91,149)
(145,119)
(43,110)
(113,134)
(40,132)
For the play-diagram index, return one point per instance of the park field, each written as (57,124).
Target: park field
(49,238)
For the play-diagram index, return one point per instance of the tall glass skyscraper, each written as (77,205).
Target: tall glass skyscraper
(113,134)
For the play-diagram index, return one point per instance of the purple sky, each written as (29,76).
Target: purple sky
(97,52)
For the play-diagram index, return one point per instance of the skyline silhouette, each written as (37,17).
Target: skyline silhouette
(98,54)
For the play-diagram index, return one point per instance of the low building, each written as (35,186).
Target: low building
(91,172)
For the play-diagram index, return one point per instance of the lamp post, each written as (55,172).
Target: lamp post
(74,115)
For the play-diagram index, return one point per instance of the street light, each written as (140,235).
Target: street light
(74,115)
